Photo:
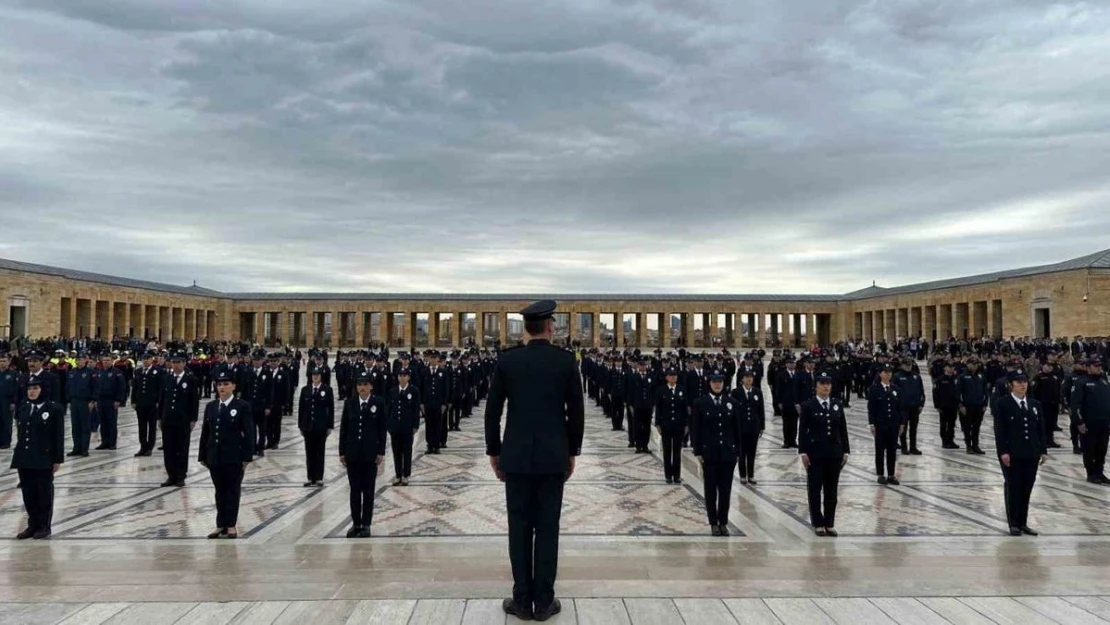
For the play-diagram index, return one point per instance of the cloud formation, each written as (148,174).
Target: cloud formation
(575,146)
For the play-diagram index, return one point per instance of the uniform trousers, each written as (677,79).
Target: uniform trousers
(261,427)
(6,421)
(147,417)
(717,481)
(109,421)
(456,412)
(789,425)
(1051,417)
(362,475)
(433,422)
(746,462)
(630,422)
(401,444)
(1017,486)
(444,421)
(886,448)
(314,443)
(642,428)
(80,423)
(914,415)
(972,421)
(823,479)
(175,449)
(534,504)
(672,453)
(37,486)
(616,413)
(228,480)
(1094,447)
(273,427)
(948,425)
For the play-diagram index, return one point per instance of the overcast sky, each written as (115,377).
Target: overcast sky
(720,146)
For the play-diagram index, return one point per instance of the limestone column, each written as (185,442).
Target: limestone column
(503,328)
(759,322)
(109,320)
(641,331)
(433,329)
(572,325)
(139,321)
(456,329)
(385,328)
(360,329)
(711,329)
(595,331)
(618,329)
(71,314)
(665,330)
(788,329)
(688,330)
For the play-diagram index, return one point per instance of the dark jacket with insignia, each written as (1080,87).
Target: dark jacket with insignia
(180,401)
(362,430)
(671,408)
(1018,432)
(823,433)
(749,412)
(546,418)
(40,436)
(404,409)
(884,407)
(436,387)
(146,387)
(714,431)
(227,436)
(316,409)
(911,390)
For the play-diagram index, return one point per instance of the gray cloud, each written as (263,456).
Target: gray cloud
(574,146)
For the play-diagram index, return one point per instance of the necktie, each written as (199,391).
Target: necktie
(824,405)
(1023,404)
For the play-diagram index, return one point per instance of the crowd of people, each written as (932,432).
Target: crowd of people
(711,401)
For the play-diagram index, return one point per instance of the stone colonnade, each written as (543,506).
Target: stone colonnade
(963,320)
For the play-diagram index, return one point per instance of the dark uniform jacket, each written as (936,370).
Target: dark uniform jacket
(381,378)
(227,435)
(1018,432)
(10,386)
(1090,400)
(362,430)
(436,387)
(714,431)
(40,435)
(146,387)
(281,386)
(180,401)
(911,390)
(404,409)
(885,409)
(749,412)
(823,433)
(546,418)
(258,388)
(784,386)
(670,408)
(643,390)
(972,389)
(316,409)
(696,385)
(805,385)
(109,385)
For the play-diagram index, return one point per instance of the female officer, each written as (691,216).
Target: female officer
(823,447)
(716,440)
(316,418)
(751,421)
(226,448)
(39,451)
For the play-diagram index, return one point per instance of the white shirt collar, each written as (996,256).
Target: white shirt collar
(1020,399)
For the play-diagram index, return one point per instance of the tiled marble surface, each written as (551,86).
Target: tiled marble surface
(626,534)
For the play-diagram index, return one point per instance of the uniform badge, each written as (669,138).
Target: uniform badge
(234,412)
(1034,411)
(322,393)
(680,393)
(373,408)
(184,385)
(409,395)
(45,415)
(84,375)
(894,393)
(728,405)
(835,407)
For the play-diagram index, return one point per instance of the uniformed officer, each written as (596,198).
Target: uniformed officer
(643,400)
(886,416)
(973,393)
(109,393)
(178,408)
(39,452)
(1090,410)
(404,420)
(316,419)
(362,433)
(435,395)
(543,437)
(226,448)
(146,391)
(9,397)
(911,394)
(824,448)
(1045,387)
(79,386)
(751,419)
(1020,437)
(715,436)
(947,403)
(258,389)
(788,404)
(671,416)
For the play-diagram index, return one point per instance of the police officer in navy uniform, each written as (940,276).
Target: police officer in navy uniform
(671,415)
(751,419)
(39,452)
(436,395)
(1090,411)
(226,448)
(404,420)
(79,386)
(824,448)
(48,380)
(9,397)
(178,409)
(362,433)
(911,394)
(643,387)
(109,393)
(715,436)
(258,389)
(146,391)
(543,437)
(974,394)
(280,379)
(886,416)
(947,403)
(1020,437)
(316,419)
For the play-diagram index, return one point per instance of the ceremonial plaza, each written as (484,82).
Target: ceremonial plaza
(633,549)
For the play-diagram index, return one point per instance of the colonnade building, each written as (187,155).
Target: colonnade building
(1062,299)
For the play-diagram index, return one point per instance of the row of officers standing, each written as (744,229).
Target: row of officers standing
(247,409)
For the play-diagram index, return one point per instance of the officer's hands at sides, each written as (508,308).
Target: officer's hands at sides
(963,409)
(377,460)
(571,462)
(1044,459)
(495,464)
(343,460)
(1005,458)
(54,469)
(872,426)
(805,460)
(844,462)
(1082,428)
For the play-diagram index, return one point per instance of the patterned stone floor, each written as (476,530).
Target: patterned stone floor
(121,539)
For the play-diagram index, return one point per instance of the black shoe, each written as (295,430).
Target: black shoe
(831,532)
(168,483)
(724,530)
(1076,450)
(1102,479)
(902,449)
(1057,429)
(71,454)
(179,483)
(25,534)
(261,453)
(220,533)
(522,612)
(715,530)
(915,452)
(631,444)
(1028,531)
(364,532)
(1015,531)
(84,454)
(353,532)
(882,481)
(892,481)
(549,611)
(100,447)
(670,481)
(41,534)
(309,484)
(979,452)
(1054,444)
(161,448)
(751,481)
(1093,480)
(677,480)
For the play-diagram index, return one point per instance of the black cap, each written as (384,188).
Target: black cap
(1017,376)
(538,311)
(716,376)
(35,355)
(363,379)
(1094,361)
(671,371)
(224,376)
(404,371)
(177,356)
(34,381)
(824,378)
(887,368)
(747,373)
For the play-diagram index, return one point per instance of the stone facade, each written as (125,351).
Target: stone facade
(1059,303)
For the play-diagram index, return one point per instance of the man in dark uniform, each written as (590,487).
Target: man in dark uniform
(435,394)
(670,420)
(280,380)
(1090,410)
(109,393)
(752,420)
(947,403)
(257,388)
(1020,437)
(787,403)
(9,397)
(362,432)
(973,393)
(48,382)
(226,448)
(543,437)
(39,451)
(911,394)
(1046,388)
(715,436)
(146,390)
(643,400)
(178,408)
(824,447)
(316,419)
(404,421)
(886,416)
